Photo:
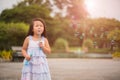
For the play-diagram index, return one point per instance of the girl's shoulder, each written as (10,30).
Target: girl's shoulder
(28,38)
(45,39)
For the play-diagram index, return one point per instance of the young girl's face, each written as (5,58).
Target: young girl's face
(38,27)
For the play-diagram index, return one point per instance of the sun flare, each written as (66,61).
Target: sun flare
(90,4)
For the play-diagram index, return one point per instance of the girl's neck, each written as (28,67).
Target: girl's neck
(37,36)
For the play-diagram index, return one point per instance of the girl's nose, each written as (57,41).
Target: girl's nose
(39,27)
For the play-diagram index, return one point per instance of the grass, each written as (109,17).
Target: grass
(101,50)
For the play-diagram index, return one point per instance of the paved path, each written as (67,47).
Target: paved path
(70,69)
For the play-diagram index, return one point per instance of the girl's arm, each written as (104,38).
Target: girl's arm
(24,48)
(46,48)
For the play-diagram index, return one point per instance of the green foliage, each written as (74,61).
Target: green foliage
(25,13)
(61,45)
(55,28)
(12,34)
(76,4)
(98,30)
(88,43)
(7,55)
(116,54)
(95,29)
(29,2)
(114,35)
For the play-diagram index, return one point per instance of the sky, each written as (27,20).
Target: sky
(96,8)
(7,4)
(103,8)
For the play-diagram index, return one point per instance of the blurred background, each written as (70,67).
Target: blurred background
(84,36)
(75,28)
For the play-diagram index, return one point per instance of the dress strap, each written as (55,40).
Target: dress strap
(42,38)
(30,37)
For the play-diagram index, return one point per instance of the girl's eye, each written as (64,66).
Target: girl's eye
(39,25)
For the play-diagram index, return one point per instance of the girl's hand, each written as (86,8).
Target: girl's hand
(27,57)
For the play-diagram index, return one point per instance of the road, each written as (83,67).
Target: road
(69,69)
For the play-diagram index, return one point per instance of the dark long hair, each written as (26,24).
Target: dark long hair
(30,31)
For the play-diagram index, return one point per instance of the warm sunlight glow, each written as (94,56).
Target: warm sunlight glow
(103,8)
(90,4)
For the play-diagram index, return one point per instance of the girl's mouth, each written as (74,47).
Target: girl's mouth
(39,31)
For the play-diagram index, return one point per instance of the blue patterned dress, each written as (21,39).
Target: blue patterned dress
(37,68)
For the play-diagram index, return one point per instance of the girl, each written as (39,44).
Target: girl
(35,45)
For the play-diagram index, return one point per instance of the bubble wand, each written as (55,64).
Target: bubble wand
(40,40)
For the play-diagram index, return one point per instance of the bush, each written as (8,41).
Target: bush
(12,34)
(116,54)
(60,45)
(88,43)
(7,55)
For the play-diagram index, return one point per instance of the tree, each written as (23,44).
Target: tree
(97,30)
(25,14)
(12,34)
(114,35)
(74,8)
